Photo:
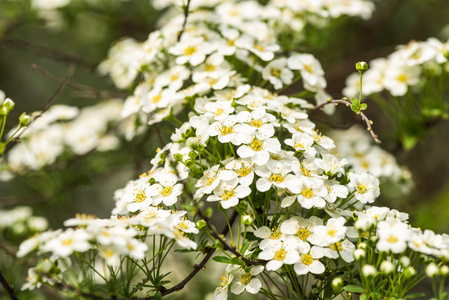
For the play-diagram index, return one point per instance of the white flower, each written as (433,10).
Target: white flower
(345,249)
(302,142)
(311,71)
(211,179)
(246,281)
(68,242)
(333,232)
(229,193)
(279,253)
(221,292)
(274,173)
(330,164)
(369,270)
(259,150)
(303,229)
(310,192)
(244,169)
(366,187)
(166,190)
(309,261)
(226,130)
(277,73)
(191,50)
(393,236)
(263,51)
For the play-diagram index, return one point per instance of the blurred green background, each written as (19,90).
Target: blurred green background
(89,30)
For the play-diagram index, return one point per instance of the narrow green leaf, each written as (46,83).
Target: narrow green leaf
(354,289)
(222,259)
(416,295)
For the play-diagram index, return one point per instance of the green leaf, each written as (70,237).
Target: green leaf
(354,289)
(363,106)
(222,259)
(355,101)
(444,296)
(364,297)
(236,261)
(408,142)
(245,247)
(416,295)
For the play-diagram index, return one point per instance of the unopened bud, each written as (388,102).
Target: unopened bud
(192,155)
(201,224)
(387,267)
(432,270)
(404,261)
(208,212)
(24,120)
(178,157)
(361,66)
(409,272)
(444,270)
(359,253)
(9,104)
(337,284)
(247,220)
(369,270)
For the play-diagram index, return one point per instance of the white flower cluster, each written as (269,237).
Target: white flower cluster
(114,237)
(395,234)
(65,128)
(363,155)
(20,220)
(401,69)
(216,47)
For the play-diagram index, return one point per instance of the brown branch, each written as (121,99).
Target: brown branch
(8,287)
(231,249)
(367,121)
(186,15)
(47,53)
(44,107)
(89,91)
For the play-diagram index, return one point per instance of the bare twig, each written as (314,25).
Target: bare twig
(44,107)
(231,249)
(186,15)
(8,287)
(367,121)
(88,91)
(47,53)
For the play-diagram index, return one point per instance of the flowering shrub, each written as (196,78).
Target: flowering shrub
(297,207)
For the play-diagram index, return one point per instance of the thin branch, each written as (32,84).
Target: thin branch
(367,121)
(8,287)
(231,249)
(186,15)
(47,53)
(44,107)
(88,91)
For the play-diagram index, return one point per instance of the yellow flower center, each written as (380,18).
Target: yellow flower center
(130,247)
(140,197)
(156,98)
(278,178)
(231,43)
(246,278)
(67,242)
(280,254)
(275,157)
(210,180)
(299,145)
(256,145)
(225,130)
(244,171)
(275,72)
(337,246)
(183,225)
(361,188)
(190,50)
(306,259)
(402,78)
(224,281)
(303,233)
(210,68)
(259,47)
(275,234)
(331,232)
(308,68)
(307,193)
(228,194)
(174,77)
(256,123)
(219,112)
(167,191)
(392,239)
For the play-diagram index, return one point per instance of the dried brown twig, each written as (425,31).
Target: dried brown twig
(8,287)
(186,15)
(367,121)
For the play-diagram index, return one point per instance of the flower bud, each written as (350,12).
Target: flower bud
(369,270)
(152,181)
(192,155)
(337,284)
(201,224)
(243,206)
(444,270)
(247,220)
(9,104)
(208,212)
(404,261)
(178,157)
(362,246)
(3,111)
(409,272)
(361,66)
(359,253)
(386,267)
(432,270)
(24,120)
